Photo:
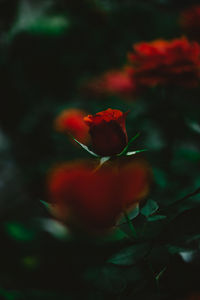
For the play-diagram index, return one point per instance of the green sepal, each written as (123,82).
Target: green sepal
(104,160)
(135,152)
(85,147)
(124,151)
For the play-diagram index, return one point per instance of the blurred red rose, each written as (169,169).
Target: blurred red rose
(190,21)
(115,82)
(108,131)
(166,62)
(71,121)
(96,200)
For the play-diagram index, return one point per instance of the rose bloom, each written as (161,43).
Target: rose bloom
(83,198)
(108,132)
(71,121)
(166,62)
(190,21)
(116,82)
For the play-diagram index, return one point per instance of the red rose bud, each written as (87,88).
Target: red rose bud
(92,200)
(108,131)
(166,62)
(190,21)
(71,121)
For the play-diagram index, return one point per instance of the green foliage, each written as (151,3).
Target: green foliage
(130,255)
(131,215)
(9,295)
(156,218)
(54,25)
(20,232)
(150,207)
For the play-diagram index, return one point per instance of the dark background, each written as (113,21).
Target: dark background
(47,50)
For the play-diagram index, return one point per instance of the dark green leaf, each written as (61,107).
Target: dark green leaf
(117,235)
(130,255)
(49,25)
(106,278)
(131,215)
(150,207)
(19,232)
(160,177)
(156,218)
(8,295)
(175,249)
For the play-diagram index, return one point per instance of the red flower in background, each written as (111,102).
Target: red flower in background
(108,131)
(96,200)
(117,82)
(71,121)
(190,21)
(166,62)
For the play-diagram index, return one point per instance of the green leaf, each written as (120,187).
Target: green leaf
(55,228)
(106,278)
(193,238)
(113,279)
(160,177)
(46,204)
(10,295)
(33,18)
(130,255)
(19,232)
(49,25)
(188,153)
(188,256)
(150,208)
(156,218)
(175,249)
(131,215)
(85,148)
(115,236)
(129,143)
(195,126)
(182,205)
